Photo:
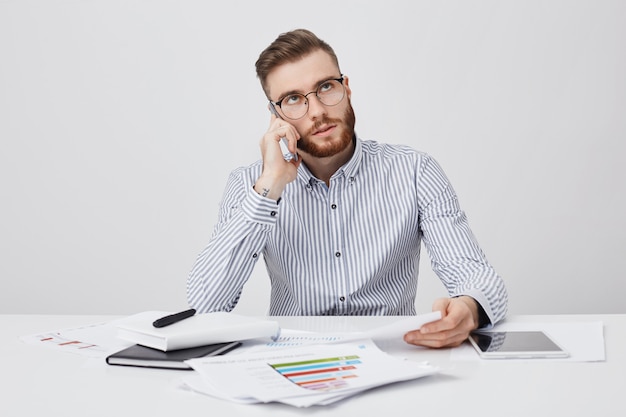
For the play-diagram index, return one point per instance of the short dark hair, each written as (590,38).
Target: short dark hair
(289,47)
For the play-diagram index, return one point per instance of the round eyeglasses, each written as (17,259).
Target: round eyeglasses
(295,106)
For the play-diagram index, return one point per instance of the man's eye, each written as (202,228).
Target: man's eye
(293,99)
(325,87)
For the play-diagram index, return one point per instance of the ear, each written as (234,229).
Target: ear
(346,84)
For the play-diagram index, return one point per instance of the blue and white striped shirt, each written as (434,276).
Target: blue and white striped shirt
(351,248)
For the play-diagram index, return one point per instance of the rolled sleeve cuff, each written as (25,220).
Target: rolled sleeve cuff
(260,209)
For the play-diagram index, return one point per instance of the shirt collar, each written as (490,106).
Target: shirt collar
(349,169)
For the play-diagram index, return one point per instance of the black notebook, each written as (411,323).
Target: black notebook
(138,355)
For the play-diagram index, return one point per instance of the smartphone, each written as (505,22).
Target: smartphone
(283,141)
(285,150)
(516,345)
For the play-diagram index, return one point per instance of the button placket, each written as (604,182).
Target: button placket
(336,229)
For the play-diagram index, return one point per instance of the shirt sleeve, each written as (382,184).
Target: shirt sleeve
(455,255)
(223,267)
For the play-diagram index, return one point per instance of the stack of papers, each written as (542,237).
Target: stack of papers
(302,376)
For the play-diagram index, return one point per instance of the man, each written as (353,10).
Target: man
(340,225)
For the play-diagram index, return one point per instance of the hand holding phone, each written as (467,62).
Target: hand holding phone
(280,166)
(283,143)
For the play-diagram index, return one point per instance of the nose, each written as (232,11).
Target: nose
(316,108)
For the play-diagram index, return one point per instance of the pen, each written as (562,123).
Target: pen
(174,318)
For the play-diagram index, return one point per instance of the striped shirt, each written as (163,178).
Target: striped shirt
(351,248)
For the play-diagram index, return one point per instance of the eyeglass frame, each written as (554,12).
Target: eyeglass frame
(279,102)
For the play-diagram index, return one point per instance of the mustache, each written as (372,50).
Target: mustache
(322,122)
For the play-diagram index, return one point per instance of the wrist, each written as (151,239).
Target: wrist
(270,186)
(475,309)
(267,191)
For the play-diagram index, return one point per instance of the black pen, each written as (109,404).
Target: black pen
(174,318)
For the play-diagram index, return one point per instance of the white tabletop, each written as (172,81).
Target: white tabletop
(39,381)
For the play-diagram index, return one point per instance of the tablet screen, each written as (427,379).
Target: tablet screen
(516,342)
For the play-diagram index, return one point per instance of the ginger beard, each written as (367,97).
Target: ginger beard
(328,148)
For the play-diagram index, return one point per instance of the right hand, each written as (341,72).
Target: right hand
(277,172)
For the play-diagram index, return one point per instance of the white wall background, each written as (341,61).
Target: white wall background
(112,114)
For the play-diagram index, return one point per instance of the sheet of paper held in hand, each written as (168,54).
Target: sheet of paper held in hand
(293,338)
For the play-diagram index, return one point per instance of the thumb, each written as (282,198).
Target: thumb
(441,305)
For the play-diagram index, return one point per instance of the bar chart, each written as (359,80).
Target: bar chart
(321,374)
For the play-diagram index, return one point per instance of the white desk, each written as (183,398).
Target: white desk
(37,381)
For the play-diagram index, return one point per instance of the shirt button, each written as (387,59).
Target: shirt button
(333,206)
(272,213)
(337,254)
(254,255)
(342,298)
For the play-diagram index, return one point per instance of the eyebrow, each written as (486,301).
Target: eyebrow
(317,84)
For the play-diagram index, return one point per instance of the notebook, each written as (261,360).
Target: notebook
(138,355)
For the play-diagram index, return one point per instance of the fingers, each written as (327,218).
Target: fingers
(446,322)
(443,339)
(281,129)
(451,330)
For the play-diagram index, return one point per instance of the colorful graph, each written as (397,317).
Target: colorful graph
(320,374)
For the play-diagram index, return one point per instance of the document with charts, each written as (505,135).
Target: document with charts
(303,376)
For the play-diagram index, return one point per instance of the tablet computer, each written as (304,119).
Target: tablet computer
(516,344)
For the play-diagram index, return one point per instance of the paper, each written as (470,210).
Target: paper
(290,338)
(583,340)
(100,339)
(295,338)
(94,340)
(303,376)
(400,327)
